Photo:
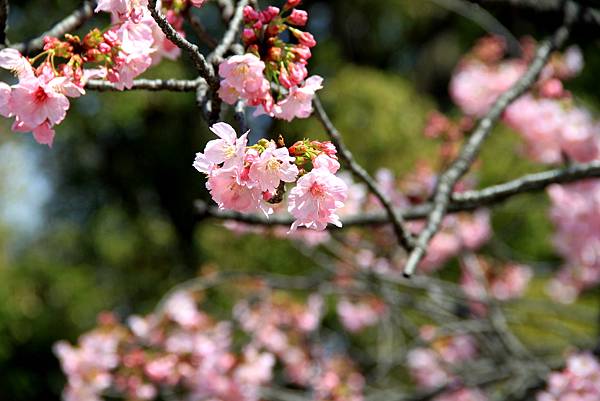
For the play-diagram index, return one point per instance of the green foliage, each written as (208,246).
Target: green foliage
(380,115)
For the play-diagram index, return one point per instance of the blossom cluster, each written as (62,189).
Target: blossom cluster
(482,278)
(555,129)
(132,43)
(459,233)
(272,74)
(431,366)
(184,349)
(580,380)
(247,179)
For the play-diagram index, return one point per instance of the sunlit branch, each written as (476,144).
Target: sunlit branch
(172,85)
(404,236)
(229,36)
(68,24)
(471,148)
(460,202)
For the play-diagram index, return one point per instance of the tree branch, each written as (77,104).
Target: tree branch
(70,23)
(201,31)
(461,202)
(484,19)
(471,148)
(405,238)
(204,68)
(173,85)
(228,38)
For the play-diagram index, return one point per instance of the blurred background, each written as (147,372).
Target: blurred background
(105,220)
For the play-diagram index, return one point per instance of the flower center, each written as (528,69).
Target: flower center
(273,164)
(229,151)
(317,190)
(40,95)
(242,69)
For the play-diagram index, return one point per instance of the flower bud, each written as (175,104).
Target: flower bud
(298,17)
(104,48)
(305,38)
(284,78)
(302,52)
(298,72)
(292,3)
(250,15)
(275,54)
(248,35)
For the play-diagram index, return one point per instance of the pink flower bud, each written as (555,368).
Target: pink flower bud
(268,14)
(275,53)
(248,35)
(292,3)
(298,17)
(302,52)
(305,38)
(112,75)
(284,78)
(104,48)
(298,72)
(250,14)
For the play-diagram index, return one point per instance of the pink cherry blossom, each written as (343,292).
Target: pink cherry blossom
(316,198)
(273,165)
(356,316)
(243,72)
(475,85)
(426,368)
(327,162)
(580,380)
(12,60)
(511,283)
(229,149)
(136,43)
(123,9)
(228,192)
(298,103)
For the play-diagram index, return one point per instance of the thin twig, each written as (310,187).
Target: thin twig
(173,85)
(471,148)
(484,19)
(204,68)
(229,37)
(404,236)
(201,31)
(464,201)
(226,8)
(71,22)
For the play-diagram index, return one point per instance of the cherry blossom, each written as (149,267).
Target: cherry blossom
(580,380)
(123,9)
(298,104)
(273,166)
(315,199)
